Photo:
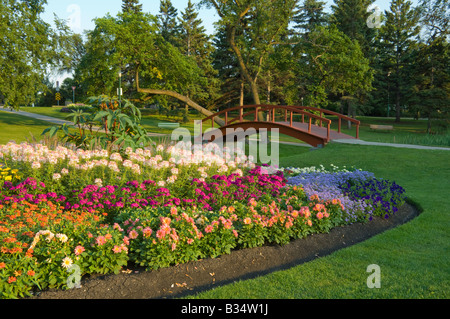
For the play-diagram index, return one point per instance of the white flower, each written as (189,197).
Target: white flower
(67,262)
(174,171)
(98,182)
(172,179)
(62,237)
(160,148)
(36,165)
(56,176)
(128,163)
(161,183)
(64,171)
(136,169)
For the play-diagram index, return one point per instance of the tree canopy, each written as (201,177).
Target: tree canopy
(276,51)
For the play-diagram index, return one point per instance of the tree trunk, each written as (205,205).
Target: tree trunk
(397,106)
(231,34)
(349,112)
(180,97)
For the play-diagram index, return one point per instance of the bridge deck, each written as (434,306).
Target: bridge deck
(320,131)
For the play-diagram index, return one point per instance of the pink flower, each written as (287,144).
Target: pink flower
(319,215)
(209,229)
(247,221)
(100,240)
(79,250)
(117,249)
(147,232)
(133,234)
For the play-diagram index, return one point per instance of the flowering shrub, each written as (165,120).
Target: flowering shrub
(361,194)
(168,166)
(164,236)
(157,207)
(39,243)
(8,175)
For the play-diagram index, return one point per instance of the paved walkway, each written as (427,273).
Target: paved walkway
(56,120)
(361,142)
(344,141)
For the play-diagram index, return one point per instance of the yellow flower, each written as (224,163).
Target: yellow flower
(67,262)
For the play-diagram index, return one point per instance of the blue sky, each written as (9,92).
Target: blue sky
(81,12)
(86,10)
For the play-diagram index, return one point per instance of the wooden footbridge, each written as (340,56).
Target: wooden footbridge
(302,122)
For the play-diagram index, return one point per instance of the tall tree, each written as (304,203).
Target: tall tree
(131,6)
(431,76)
(398,41)
(253,27)
(330,63)
(435,16)
(167,22)
(28,48)
(229,73)
(310,14)
(197,45)
(350,16)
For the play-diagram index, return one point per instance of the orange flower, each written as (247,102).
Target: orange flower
(11,279)
(31,273)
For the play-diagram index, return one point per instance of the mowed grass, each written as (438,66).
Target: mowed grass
(413,258)
(18,128)
(408,131)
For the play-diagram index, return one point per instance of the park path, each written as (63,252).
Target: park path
(55,120)
(343,141)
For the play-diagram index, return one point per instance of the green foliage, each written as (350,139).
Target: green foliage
(118,121)
(331,63)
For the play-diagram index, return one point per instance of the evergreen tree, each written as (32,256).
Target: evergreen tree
(196,44)
(350,16)
(167,22)
(228,72)
(309,15)
(398,41)
(131,6)
(431,90)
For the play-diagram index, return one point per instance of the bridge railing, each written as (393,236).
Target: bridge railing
(339,115)
(257,109)
(304,111)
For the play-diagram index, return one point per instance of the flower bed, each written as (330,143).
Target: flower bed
(147,207)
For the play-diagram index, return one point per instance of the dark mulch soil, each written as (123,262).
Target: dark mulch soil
(193,277)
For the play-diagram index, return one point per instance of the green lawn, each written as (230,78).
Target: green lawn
(19,128)
(414,258)
(408,131)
